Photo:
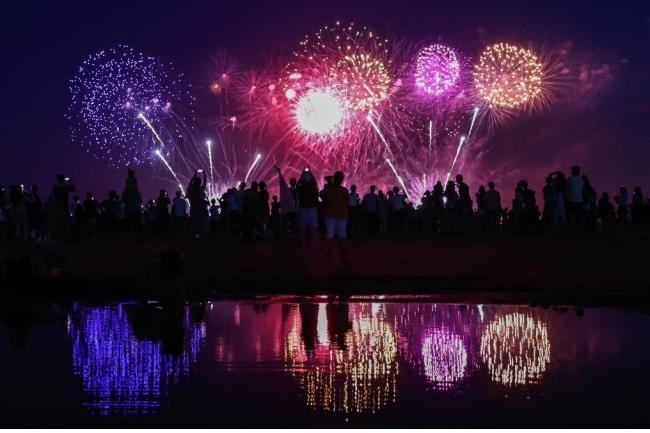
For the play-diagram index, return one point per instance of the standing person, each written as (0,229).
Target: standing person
(549,197)
(214,217)
(622,205)
(60,207)
(605,211)
(589,204)
(437,206)
(276,219)
(198,205)
(132,201)
(464,205)
(451,200)
(638,205)
(354,210)
(397,202)
(90,207)
(575,200)
(179,214)
(18,206)
(481,208)
(335,211)
(110,213)
(250,210)
(162,212)
(307,191)
(493,207)
(382,215)
(36,213)
(370,205)
(263,210)
(288,203)
(559,219)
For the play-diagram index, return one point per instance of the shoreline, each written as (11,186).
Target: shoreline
(600,269)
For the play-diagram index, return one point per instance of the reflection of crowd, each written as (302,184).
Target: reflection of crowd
(304,210)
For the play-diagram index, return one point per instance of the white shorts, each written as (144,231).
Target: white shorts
(307,218)
(335,226)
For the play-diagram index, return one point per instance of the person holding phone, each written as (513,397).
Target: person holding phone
(199,219)
(307,192)
(60,205)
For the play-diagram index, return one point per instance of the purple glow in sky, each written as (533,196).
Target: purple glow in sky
(437,70)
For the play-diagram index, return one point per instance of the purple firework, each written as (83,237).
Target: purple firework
(437,70)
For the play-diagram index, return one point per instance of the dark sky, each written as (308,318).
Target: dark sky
(45,41)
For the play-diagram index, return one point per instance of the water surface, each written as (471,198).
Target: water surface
(323,362)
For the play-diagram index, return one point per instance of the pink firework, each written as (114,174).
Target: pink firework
(437,70)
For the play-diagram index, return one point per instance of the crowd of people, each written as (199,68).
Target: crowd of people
(569,204)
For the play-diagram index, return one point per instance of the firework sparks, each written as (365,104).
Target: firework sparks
(437,70)
(319,112)
(113,92)
(508,76)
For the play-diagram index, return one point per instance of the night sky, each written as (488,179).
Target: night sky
(44,43)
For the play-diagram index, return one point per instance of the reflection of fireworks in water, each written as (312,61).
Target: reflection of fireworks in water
(516,349)
(357,374)
(439,341)
(444,358)
(119,372)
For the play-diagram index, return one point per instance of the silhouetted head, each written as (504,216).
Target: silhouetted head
(380,193)
(353,188)
(575,171)
(637,190)
(481,188)
(213,201)
(459,178)
(75,198)
(338,178)
(112,195)
(604,196)
(329,179)
(34,189)
(163,193)
(274,198)
(60,178)
(130,172)
(396,189)
(262,186)
(89,195)
(196,182)
(372,188)
(254,186)
(293,182)
(491,185)
(623,189)
(178,194)
(242,185)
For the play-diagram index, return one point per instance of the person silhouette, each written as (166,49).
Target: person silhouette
(199,221)
(132,201)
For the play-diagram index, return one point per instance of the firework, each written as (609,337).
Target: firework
(319,112)
(444,358)
(437,71)
(362,79)
(117,97)
(516,349)
(507,76)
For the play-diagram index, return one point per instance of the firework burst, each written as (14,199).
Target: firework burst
(508,77)
(111,94)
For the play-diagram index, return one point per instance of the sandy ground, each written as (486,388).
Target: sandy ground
(605,268)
